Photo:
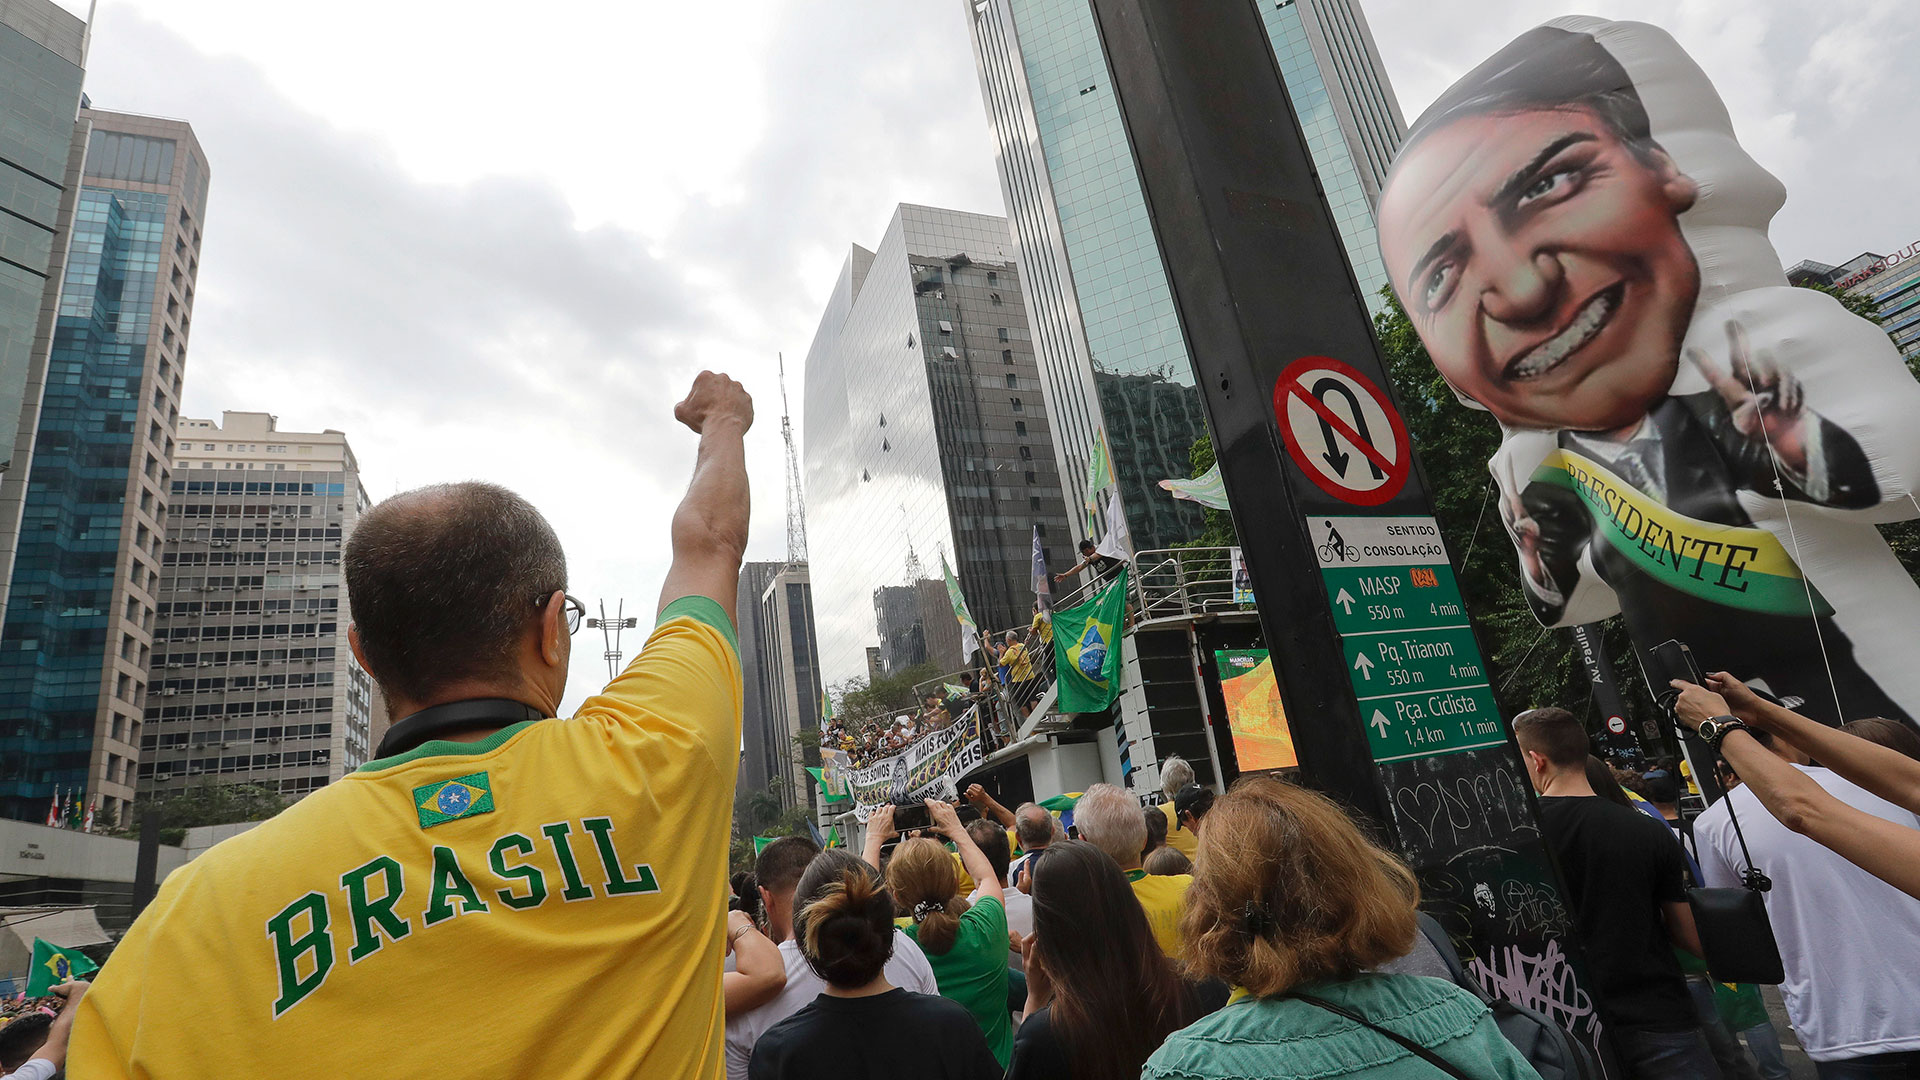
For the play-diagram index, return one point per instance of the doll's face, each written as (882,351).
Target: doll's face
(1540,258)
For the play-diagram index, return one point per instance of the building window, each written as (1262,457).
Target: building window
(1016,404)
(1019,427)
(1033,502)
(1040,528)
(947,328)
(1026,453)
(1031,477)
(883,419)
(1006,355)
(992,277)
(996,299)
(1003,334)
(1013,381)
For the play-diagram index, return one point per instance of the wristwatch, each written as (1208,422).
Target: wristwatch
(1715,728)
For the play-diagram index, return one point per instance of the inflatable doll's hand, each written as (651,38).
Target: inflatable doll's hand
(1765,403)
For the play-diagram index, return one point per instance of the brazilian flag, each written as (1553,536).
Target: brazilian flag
(53,965)
(451,800)
(1086,648)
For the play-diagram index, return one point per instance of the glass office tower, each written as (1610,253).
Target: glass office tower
(1111,353)
(926,437)
(76,646)
(42,56)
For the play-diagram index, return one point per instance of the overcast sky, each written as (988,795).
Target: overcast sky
(496,241)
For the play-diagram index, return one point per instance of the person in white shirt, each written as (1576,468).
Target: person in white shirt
(991,839)
(1850,941)
(778,872)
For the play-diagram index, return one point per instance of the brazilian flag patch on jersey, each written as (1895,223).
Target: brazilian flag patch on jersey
(451,800)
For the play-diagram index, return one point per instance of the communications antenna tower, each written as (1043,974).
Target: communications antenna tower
(610,633)
(796,499)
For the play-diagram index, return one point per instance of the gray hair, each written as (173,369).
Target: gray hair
(1175,774)
(1109,819)
(1034,826)
(443,582)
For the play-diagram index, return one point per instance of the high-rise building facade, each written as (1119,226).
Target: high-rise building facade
(252,678)
(790,656)
(77,640)
(927,437)
(757,749)
(1105,329)
(42,54)
(1891,281)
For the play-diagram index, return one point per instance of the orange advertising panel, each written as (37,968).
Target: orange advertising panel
(1255,717)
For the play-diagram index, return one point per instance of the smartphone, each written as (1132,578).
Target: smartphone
(1670,660)
(907,816)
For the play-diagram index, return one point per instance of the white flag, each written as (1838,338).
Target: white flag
(1117,544)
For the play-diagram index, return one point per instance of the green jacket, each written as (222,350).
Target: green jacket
(1276,1038)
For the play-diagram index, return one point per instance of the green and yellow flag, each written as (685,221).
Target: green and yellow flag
(53,965)
(451,800)
(1099,478)
(969,630)
(1086,647)
(1735,566)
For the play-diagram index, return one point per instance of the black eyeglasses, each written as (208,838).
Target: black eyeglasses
(574,609)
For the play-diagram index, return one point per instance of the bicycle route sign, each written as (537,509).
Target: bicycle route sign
(1342,430)
(1409,649)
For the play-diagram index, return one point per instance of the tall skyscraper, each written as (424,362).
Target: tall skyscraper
(790,656)
(1111,352)
(926,437)
(252,678)
(77,640)
(757,750)
(42,54)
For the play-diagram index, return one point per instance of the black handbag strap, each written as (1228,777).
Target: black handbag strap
(1751,877)
(1415,1048)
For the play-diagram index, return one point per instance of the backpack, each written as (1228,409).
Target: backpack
(1551,1049)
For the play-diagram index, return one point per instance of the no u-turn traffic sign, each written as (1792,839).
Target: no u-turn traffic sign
(1342,430)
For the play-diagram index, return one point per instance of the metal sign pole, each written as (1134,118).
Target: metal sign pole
(1380,671)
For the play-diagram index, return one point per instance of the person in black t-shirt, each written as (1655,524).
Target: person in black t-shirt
(1624,877)
(1101,996)
(863,1027)
(1102,566)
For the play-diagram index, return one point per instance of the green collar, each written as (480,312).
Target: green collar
(449,748)
(1136,875)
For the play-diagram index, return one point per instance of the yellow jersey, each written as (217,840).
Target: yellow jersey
(1164,898)
(1178,835)
(1019,665)
(547,901)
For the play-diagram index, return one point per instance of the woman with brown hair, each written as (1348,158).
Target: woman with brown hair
(1101,995)
(1295,906)
(966,945)
(862,1027)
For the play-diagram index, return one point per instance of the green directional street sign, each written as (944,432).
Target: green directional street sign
(1409,650)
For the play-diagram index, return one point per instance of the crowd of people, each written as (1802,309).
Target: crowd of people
(34,1032)
(1260,931)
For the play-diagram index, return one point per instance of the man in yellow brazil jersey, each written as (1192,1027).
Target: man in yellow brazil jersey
(497,893)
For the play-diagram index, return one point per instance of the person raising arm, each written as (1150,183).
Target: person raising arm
(1885,849)
(710,527)
(1887,773)
(759,971)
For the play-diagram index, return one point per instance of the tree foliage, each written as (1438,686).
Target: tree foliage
(203,804)
(857,701)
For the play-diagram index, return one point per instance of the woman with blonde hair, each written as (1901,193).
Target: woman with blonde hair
(965,944)
(1295,906)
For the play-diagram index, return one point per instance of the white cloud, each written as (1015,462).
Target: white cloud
(497,240)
